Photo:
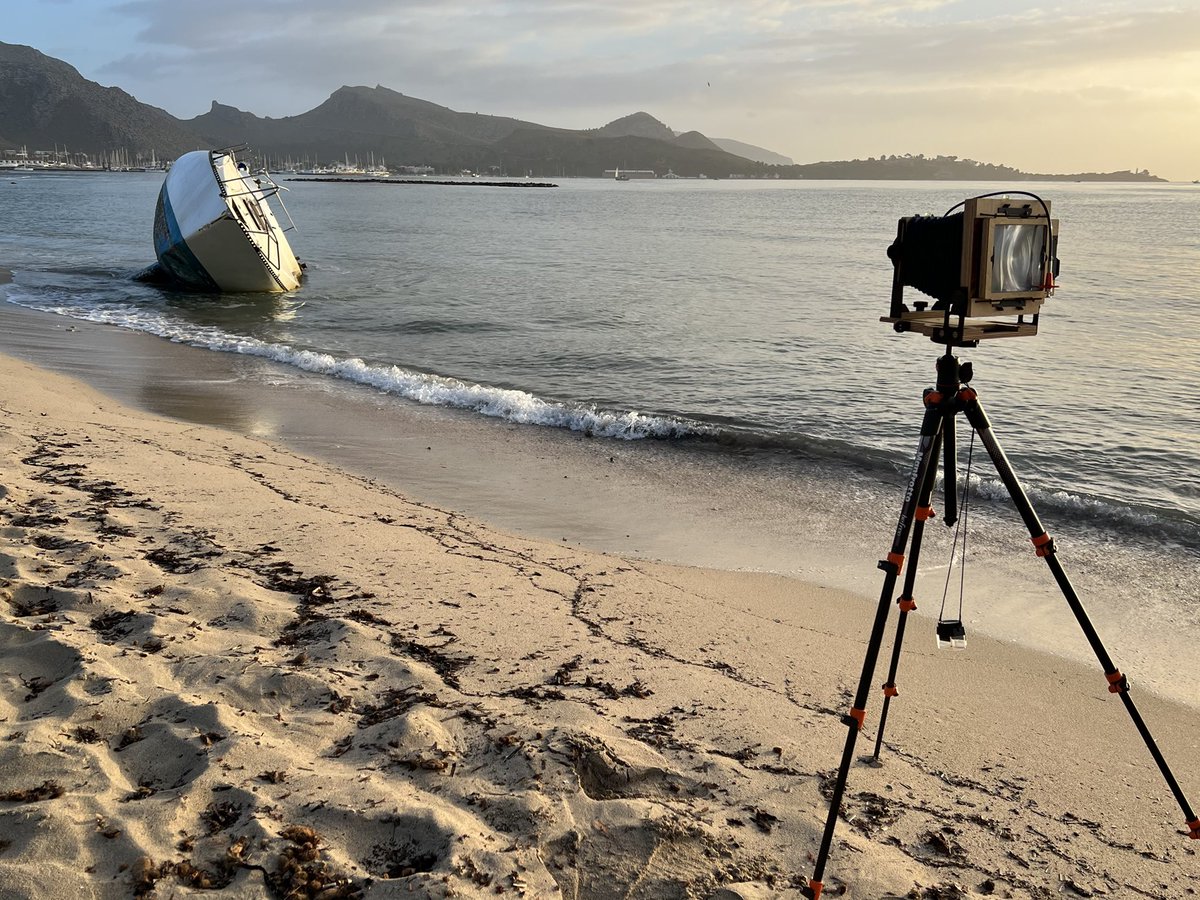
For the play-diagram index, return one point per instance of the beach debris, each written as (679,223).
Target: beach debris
(395,702)
(286,578)
(535,693)
(56,542)
(940,892)
(763,820)
(131,735)
(37,520)
(341,747)
(112,625)
(877,813)
(31,607)
(659,731)
(219,816)
(943,844)
(368,618)
(443,664)
(140,793)
(105,829)
(47,790)
(638,689)
(468,868)
(186,561)
(36,685)
(400,859)
(143,874)
(301,873)
(194,876)
(742,755)
(563,674)
(434,759)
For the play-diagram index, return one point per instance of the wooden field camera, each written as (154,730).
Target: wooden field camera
(993,262)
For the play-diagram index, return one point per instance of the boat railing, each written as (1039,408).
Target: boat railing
(271,252)
(291,226)
(273,249)
(260,186)
(254,184)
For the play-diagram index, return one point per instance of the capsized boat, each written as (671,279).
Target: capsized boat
(215,231)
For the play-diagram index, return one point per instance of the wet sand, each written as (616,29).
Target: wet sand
(228,664)
(670,502)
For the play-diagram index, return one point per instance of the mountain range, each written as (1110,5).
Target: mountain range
(45,102)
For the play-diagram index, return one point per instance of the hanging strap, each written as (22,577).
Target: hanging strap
(960,531)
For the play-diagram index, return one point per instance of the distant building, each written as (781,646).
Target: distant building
(629,173)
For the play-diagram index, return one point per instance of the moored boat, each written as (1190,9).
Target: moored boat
(215,231)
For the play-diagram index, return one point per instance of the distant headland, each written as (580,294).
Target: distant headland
(52,117)
(948,168)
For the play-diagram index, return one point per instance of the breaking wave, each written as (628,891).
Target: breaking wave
(509,404)
(521,407)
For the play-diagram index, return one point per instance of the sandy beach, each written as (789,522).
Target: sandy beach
(231,668)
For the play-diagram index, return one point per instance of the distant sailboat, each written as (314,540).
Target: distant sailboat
(377,171)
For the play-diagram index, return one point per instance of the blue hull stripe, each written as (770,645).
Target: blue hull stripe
(172,250)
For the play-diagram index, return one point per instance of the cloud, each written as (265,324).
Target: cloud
(786,69)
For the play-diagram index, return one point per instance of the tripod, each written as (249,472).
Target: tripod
(943,403)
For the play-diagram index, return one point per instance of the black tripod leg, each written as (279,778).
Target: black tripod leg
(924,460)
(906,601)
(1117,683)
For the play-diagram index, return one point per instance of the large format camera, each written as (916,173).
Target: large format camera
(984,266)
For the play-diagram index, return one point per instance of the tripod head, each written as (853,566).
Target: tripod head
(952,373)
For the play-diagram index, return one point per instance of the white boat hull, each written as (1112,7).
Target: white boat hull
(214,231)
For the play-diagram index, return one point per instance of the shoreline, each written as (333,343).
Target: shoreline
(400,180)
(216,648)
(645,499)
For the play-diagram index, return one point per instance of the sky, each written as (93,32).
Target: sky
(1070,86)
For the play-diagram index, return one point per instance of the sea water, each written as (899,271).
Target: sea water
(729,329)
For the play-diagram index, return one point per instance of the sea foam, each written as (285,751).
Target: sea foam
(524,408)
(429,389)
